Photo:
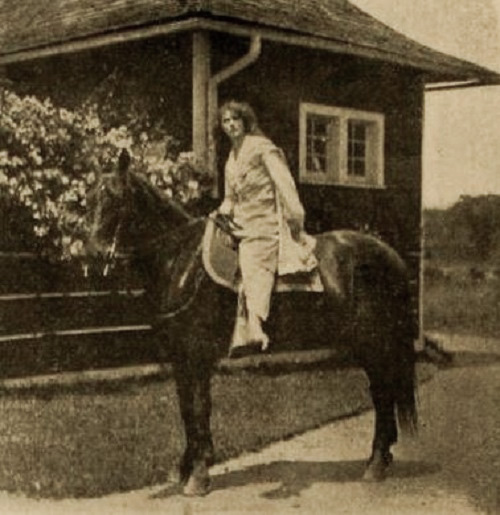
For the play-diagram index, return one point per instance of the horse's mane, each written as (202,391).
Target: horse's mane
(157,200)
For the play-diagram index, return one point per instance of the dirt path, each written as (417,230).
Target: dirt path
(452,468)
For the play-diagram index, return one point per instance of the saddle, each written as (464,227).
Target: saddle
(220,259)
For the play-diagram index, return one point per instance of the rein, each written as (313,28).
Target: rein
(111,250)
(184,307)
(157,244)
(222,222)
(226,225)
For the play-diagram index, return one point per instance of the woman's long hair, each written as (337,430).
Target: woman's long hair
(244,111)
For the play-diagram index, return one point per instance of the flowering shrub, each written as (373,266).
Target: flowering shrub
(49,156)
(177,174)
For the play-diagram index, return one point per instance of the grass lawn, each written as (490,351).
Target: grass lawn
(458,304)
(95,439)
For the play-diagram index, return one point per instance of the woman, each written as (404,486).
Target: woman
(268,219)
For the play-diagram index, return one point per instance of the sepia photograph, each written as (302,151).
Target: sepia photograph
(249,257)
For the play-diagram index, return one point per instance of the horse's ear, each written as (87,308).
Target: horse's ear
(123,162)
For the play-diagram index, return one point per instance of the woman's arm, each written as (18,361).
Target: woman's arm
(285,186)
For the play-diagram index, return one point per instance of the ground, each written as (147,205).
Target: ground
(453,467)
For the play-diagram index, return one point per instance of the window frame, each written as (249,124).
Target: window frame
(337,167)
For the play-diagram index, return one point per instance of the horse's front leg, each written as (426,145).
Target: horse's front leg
(193,387)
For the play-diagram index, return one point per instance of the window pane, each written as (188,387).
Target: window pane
(360,167)
(357,130)
(358,149)
(357,145)
(318,138)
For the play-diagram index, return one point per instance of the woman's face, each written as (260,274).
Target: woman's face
(232,125)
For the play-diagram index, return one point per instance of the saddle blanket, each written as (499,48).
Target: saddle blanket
(220,260)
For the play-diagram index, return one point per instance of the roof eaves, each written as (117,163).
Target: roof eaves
(201,14)
(454,70)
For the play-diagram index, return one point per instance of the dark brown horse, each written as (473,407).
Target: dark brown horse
(368,310)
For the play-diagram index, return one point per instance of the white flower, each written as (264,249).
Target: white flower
(76,248)
(36,157)
(119,138)
(41,230)
(90,178)
(186,157)
(16,161)
(66,116)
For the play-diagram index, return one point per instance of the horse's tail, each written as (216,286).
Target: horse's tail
(404,373)
(405,395)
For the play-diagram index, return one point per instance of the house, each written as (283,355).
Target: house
(339,91)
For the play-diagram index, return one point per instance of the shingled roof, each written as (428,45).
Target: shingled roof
(32,28)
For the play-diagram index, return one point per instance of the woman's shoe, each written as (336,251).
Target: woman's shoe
(243,351)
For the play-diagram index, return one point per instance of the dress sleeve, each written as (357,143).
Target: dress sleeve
(285,185)
(227,205)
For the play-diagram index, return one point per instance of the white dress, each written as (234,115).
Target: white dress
(261,195)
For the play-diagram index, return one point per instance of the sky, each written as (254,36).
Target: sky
(461,149)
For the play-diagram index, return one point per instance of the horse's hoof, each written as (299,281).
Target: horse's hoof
(196,487)
(198,483)
(376,469)
(375,473)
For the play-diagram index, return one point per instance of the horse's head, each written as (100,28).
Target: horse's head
(108,207)
(125,210)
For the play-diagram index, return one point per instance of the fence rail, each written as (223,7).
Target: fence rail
(40,299)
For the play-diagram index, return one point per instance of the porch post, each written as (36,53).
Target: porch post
(201,76)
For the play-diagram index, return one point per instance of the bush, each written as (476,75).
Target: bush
(50,156)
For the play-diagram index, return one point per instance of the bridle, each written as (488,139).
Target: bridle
(110,249)
(110,253)
(155,244)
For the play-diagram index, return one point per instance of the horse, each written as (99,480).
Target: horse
(371,310)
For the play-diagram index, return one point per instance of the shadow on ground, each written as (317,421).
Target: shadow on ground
(290,478)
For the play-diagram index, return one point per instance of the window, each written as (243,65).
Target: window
(341,146)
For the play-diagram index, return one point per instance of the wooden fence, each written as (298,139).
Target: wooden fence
(54,317)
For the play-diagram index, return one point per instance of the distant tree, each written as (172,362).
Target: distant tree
(480,217)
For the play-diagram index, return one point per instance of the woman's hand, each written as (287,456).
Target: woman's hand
(225,222)
(296,227)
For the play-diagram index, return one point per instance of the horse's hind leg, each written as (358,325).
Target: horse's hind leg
(386,432)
